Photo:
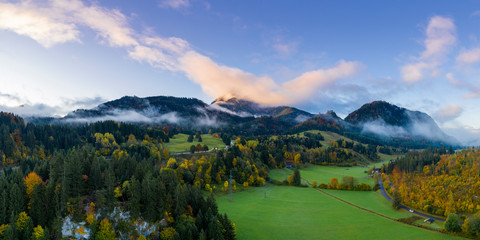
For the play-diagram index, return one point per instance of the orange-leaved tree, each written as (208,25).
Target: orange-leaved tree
(30,181)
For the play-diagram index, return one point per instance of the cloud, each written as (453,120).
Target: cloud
(457,82)
(174,54)
(469,56)
(448,113)
(175,4)
(379,127)
(440,37)
(468,136)
(473,94)
(24,19)
(20,105)
(128,116)
(218,80)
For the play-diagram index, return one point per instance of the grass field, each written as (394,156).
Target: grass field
(323,174)
(305,213)
(179,143)
(369,200)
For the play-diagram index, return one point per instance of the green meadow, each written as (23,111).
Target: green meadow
(283,212)
(178,143)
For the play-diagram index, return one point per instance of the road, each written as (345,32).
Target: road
(384,193)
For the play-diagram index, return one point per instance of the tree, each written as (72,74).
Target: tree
(38,233)
(7,145)
(396,200)
(168,233)
(16,200)
(105,231)
(452,224)
(22,220)
(472,225)
(39,206)
(200,138)
(190,138)
(30,181)
(333,183)
(192,149)
(4,207)
(297,180)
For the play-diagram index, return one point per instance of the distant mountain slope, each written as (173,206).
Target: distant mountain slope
(378,122)
(161,109)
(385,119)
(244,108)
(328,121)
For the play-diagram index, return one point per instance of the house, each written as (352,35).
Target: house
(429,220)
(289,164)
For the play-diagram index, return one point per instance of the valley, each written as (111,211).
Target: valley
(239,120)
(281,182)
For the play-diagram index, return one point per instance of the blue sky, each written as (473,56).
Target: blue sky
(58,55)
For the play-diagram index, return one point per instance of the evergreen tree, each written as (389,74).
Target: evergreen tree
(38,205)
(28,230)
(297,179)
(110,183)
(134,198)
(7,145)
(4,207)
(16,200)
(95,177)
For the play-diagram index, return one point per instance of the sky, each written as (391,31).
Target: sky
(60,55)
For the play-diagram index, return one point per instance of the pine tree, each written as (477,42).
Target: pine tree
(16,200)
(110,188)
(38,205)
(4,208)
(135,196)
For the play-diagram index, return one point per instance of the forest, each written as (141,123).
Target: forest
(110,180)
(441,182)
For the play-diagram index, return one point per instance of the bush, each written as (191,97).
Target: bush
(452,224)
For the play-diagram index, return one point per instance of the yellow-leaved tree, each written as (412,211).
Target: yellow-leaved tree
(38,233)
(30,181)
(105,231)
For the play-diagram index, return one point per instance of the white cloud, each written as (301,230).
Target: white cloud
(175,4)
(468,136)
(57,21)
(414,72)
(469,56)
(448,113)
(26,20)
(440,37)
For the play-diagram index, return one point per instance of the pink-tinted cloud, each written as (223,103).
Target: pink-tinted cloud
(448,113)
(469,56)
(218,80)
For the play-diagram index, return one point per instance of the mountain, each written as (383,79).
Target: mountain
(377,122)
(387,120)
(246,108)
(328,121)
(189,112)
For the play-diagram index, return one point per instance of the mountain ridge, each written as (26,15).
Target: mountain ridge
(378,121)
